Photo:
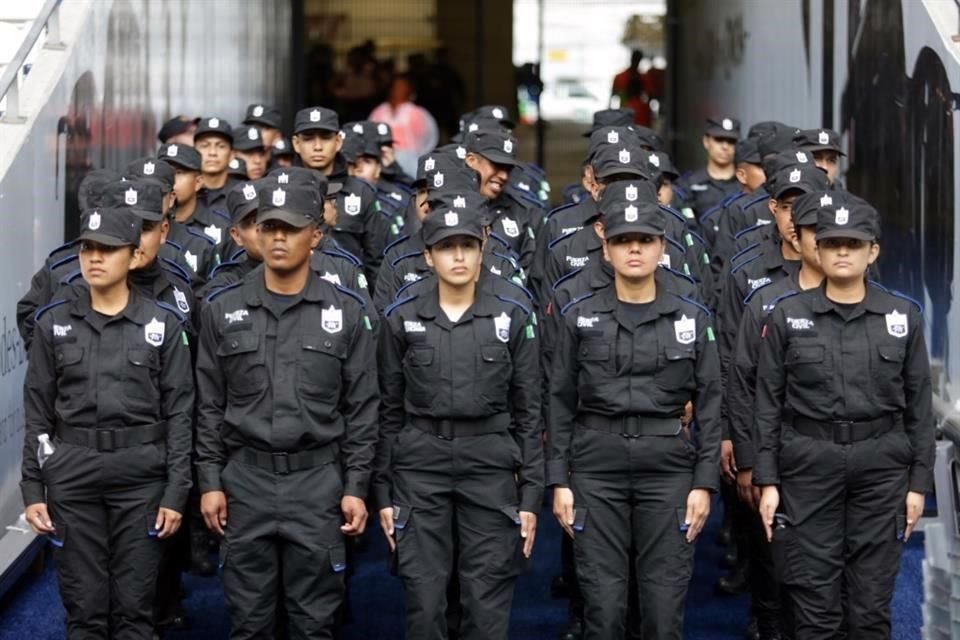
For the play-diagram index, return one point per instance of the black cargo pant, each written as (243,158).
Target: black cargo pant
(838,558)
(632,492)
(764,586)
(104,506)
(457,492)
(283,530)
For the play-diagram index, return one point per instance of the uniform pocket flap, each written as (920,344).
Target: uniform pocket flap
(401,516)
(69,355)
(511,512)
(594,351)
(320,344)
(338,558)
(420,356)
(241,342)
(808,354)
(494,353)
(143,358)
(892,353)
(675,353)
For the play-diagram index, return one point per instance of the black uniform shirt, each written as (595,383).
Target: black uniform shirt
(486,363)
(286,382)
(819,365)
(605,363)
(87,371)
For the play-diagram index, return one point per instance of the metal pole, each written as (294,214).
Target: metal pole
(541,125)
(53,30)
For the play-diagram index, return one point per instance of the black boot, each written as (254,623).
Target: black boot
(734,583)
(574,630)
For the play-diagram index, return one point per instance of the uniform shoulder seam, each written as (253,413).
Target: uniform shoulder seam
(396,304)
(578,299)
(176,312)
(514,302)
(47,307)
(227,287)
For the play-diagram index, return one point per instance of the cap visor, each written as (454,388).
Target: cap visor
(613,170)
(823,147)
(450,232)
(631,227)
(181,165)
(846,233)
(248,145)
(499,157)
(806,220)
(145,214)
(314,126)
(245,209)
(292,218)
(798,186)
(333,188)
(723,134)
(104,239)
(262,121)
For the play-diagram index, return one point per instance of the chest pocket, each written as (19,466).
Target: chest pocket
(71,369)
(142,393)
(321,360)
(805,363)
(419,356)
(243,363)
(421,375)
(887,372)
(677,368)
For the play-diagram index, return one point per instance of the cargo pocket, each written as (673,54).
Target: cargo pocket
(338,557)
(507,560)
(787,556)
(401,518)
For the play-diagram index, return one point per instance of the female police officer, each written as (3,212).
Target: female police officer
(110,386)
(460,457)
(628,359)
(846,436)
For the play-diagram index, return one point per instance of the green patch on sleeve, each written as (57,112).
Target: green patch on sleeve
(184,339)
(366,323)
(710,336)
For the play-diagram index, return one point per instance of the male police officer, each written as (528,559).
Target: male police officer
(706,187)
(287,425)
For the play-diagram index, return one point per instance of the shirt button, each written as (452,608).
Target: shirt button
(234,344)
(327,344)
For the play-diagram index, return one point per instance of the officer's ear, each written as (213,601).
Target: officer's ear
(772,205)
(598,229)
(428,256)
(197,181)
(316,234)
(741,173)
(136,256)
(472,161)
(706,143)
(295,139)
(874,253)
(164,230)
(339,142)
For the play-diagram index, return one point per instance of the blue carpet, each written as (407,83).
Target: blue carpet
(34,611)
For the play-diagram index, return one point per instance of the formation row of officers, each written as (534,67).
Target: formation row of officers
(330,340)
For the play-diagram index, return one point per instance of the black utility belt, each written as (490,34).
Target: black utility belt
(449,428)
(284,462)
(631,426)
(847,432)
(106,438)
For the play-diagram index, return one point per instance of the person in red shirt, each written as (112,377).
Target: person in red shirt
(631,87)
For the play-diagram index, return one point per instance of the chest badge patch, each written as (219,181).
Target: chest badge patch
(510,227)
(181,299)
(351,204)
(502,324)
(685,330)
(331,319)
(897,324)
(153,332)
(214,233)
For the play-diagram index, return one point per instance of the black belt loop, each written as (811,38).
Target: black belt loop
(105,440)
(281,463)
(450,428)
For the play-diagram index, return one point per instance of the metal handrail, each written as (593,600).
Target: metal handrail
(48,17)
(949,419)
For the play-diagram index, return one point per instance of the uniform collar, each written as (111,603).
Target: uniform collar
(428,306)
(137,310)
(873,301)
(255,287)
(606,301)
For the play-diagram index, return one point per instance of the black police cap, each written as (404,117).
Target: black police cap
(659,162)
(462,200)
(360,139)
(804,178)
(143,196)
(444,223)
(259,114)
(282,148)
(298,205)
(818,140)
(723,127)
(614,159)
(857,220)
(629,192)
(90,191)
(113,227)
(237,167)
(747,152)
(153,169)
(242,200)
(443,168)
(806,208)
(316,118)
(496,145)
(384,134)
(180,155)
(610,118)
(648,138)
(774,164)
(494,112)
(247,138)
(776,140)
(306,176)
(175,126)
(765,128)
(621,216)
(604,136)
(214,126)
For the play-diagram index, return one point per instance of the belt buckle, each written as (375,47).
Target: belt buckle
(843,432)
(445,430)
(281,463)
(105,440)
(630,427)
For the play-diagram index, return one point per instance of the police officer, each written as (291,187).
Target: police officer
(625,473)
(287,429)
(706,187)
(267,120)
(824,144)
(317,141)
(250,146)
(214,141)
(109,387)
(463,467)
(281,154)
(392,172)
(846,435)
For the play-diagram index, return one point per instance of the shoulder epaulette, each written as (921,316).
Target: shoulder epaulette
(513,262)
(353,294)
(64,260)
(522,288)
(199,234)
(788,294)
(222,214)
(557,240)
(513,302)
(526,196)
(712,210)
(500,239)
(236,255)
(394,243)
(66,245)
(176,312)
(176,269)
(744,263)
(698,305)
(216,292)
(726,202)
(674,243)
(222,265)
(556,210)
(46,308)
(679,274)
(393,306)
(349,256)
(565,277)
(580,298)
(743,251)
(406,285)
(404,256)
(756,200)
(676,214)
(70,277)
(697,236)
(174,244)
(904,296)
(402,187)
(878,286)
(743,232)
(754,291)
